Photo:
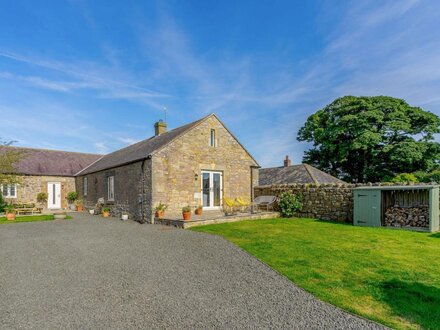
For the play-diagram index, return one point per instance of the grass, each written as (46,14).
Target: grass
(390,276)
(30,218)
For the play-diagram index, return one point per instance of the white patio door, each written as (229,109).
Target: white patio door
(212,190)
(54,195)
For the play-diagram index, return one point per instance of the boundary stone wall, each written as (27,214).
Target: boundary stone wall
(331,201)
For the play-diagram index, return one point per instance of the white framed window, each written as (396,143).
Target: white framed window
(9,190)
(85,186)
(111,188)
(212,138)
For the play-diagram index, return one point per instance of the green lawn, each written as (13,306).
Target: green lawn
(390,276)
(30,218)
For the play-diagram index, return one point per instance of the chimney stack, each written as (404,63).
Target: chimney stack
(160,127)
(287,161)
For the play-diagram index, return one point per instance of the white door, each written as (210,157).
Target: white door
(54,195)
(212,190)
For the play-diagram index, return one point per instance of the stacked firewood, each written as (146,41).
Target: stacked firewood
(417,216)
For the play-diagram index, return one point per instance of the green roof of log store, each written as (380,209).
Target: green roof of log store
(371,202)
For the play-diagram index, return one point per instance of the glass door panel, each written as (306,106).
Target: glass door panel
(216,188)
(206,189)
(212,189)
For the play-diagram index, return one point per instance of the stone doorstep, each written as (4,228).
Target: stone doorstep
(180,223)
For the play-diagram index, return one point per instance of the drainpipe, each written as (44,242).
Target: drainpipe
(142,220)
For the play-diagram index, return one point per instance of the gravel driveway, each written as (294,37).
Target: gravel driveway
(91,272)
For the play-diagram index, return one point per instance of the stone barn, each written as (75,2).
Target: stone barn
(193,165)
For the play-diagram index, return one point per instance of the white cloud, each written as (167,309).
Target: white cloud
(101,147)
(127,140)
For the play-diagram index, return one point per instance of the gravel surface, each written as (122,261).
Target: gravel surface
(96,273)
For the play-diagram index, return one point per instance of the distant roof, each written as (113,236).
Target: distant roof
(50,162)
(138,151)
(302,173)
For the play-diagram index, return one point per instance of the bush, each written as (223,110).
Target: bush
(428,177)
(41,197)
(289,204)
(404,178)
(2,203)
(72,196)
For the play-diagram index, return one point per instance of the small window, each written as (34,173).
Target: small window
(85,186)
(111,188)
(9,190)
(212,139)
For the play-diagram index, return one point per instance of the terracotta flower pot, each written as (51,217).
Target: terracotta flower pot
(105,214)
(10,216)
(80,208)
(160,214)
(199,211)
(186,216)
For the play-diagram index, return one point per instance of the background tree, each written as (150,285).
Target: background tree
(8,157)
(366,139)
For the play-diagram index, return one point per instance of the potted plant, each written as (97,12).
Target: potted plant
(199,210)
(10,212)
(124,216)
(105,212)
(79,205)
(42,198)
(186,212)
(160,210)
(71,198)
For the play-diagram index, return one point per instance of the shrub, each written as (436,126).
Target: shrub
(161,207)
(186,209)
(41,197)
(2,203)
(289,204)
(405,177)
(72,196)
(428,177)
(106,209)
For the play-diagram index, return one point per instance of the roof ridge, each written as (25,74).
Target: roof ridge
(267,168)
(306,166)
(52,150)
(89,165)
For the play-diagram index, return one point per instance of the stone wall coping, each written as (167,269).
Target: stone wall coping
(345,185)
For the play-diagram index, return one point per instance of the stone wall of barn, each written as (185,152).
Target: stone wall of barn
(177,167)
(132,190)
(31,185)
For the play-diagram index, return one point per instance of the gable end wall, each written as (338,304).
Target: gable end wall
(176,166)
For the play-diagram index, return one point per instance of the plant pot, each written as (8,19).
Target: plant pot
(159,214)
(124,217)
(92,211)
(72,207)
(80,208)
(10,216)
(105,214)
(198,211)
(186,216)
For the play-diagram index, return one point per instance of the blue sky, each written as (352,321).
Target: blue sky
(93,76)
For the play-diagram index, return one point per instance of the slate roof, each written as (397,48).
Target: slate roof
(302,173)
(50,162)
(138,151)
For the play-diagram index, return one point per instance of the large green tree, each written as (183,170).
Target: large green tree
(367,139)
(8,157)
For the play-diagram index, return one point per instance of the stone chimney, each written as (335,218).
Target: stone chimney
(160,127)
(287,161)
